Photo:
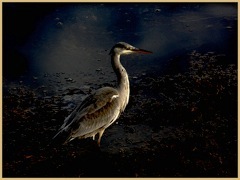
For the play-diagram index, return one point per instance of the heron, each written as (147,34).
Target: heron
(103,107)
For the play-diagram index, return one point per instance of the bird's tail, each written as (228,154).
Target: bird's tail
(59,132)
(68,140)
(62,137)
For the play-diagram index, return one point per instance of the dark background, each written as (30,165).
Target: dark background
(181,120)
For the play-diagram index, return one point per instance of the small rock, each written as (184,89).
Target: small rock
(145,10)
(59,24)
(69,79)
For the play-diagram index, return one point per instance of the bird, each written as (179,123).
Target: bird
(103,107)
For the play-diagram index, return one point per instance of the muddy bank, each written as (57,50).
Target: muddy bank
(180,124)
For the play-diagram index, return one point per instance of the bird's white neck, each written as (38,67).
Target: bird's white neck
(123,82)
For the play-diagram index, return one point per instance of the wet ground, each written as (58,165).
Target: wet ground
(181,120)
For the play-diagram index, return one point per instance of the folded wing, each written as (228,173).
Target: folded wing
(97,111)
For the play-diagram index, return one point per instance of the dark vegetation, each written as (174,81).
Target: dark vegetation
(177,125)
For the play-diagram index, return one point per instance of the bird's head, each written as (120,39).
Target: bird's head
(125,48)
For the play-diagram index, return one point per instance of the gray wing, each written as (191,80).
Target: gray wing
(93,113)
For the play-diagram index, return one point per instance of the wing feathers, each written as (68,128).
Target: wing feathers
(94,112)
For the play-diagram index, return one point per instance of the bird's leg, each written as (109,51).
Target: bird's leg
(93,137)
(100,135)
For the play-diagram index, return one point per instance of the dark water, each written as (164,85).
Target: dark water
(75,39)
(181,120)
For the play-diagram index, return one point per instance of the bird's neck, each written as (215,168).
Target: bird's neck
(122,77)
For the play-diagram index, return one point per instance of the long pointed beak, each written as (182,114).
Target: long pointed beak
(142,51)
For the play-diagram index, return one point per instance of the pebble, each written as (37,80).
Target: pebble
(210,52)
(59,24)
(69,79)
(47,97)
(145,10)
(42,86)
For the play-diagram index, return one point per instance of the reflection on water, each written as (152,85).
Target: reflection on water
(74,39)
